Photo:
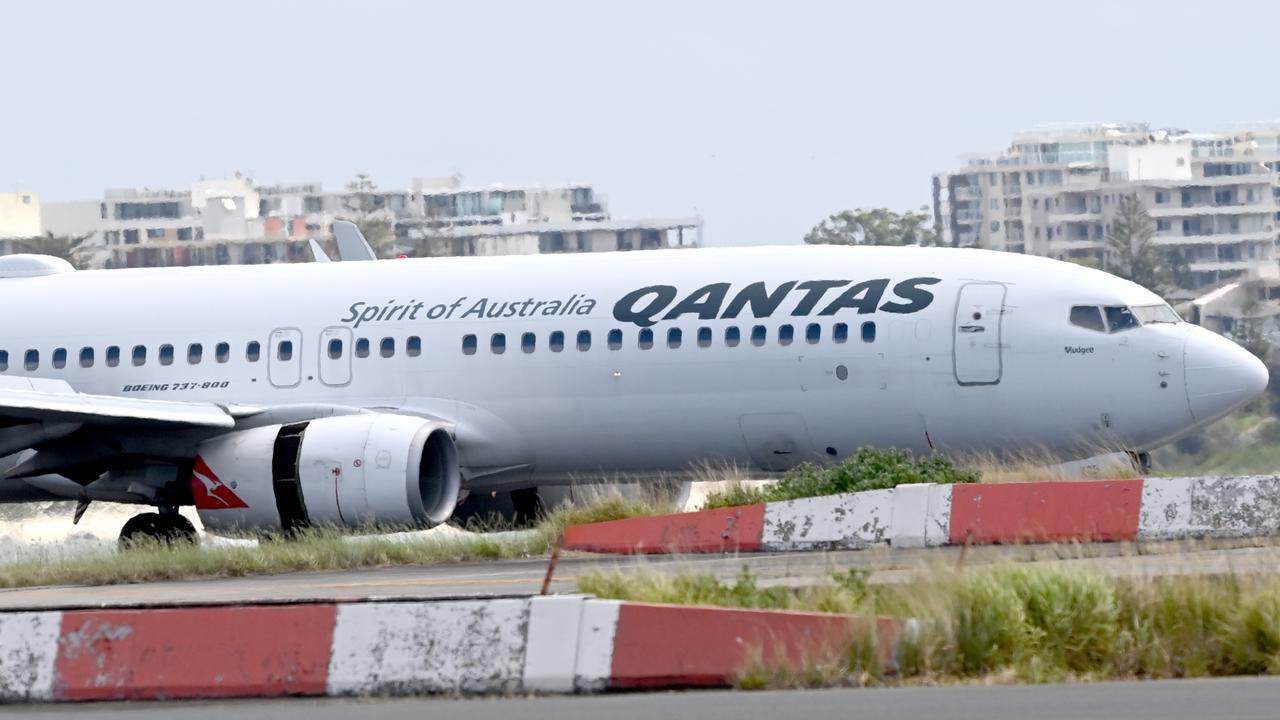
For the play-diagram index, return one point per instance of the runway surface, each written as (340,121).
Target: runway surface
(1237,698)
(524,577)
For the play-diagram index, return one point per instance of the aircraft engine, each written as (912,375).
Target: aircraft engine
(367,471)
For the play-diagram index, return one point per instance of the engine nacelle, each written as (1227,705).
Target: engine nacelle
(357,471)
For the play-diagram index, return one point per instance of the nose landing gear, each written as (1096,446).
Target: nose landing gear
(1141,461)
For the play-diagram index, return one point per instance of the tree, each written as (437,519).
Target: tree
(876,226)
(366,210)
(1132,254)
(66,247)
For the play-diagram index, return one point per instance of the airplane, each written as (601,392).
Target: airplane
(394,393)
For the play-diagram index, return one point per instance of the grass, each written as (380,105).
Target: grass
(315,550)
(1018,623)
(867,469)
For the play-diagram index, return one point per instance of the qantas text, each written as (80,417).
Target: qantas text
(647,305)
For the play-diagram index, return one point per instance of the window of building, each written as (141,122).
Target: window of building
(674,336)
(155,233)
(840,332)
(59,358)
(1161,197)
(1163,225)
(615,339)
(469,344)
(4,360)
(253,350)
(139,355)
(758,335)
(413,346)
(584,340)
(362,347)
(556,341)
(704,337)
(32,360)
(113,355)
(284,351)
(868,331)
(813,333)
(645,340)
(222,352)
(387,347)
(995,227)
(86,357)
(528,342)
(335,348)
(732,336)
(994,204)
(786,333)
(498,343)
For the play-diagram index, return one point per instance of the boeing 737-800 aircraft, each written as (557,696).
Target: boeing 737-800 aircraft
(367,394)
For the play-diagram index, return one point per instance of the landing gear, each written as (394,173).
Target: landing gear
(1141,462)
(164,528)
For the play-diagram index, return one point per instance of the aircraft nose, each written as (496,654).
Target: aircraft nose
(1221,375)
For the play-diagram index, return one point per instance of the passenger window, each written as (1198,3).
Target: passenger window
(732,336)
(139,355)
(1088,317)
(335,348)
(1120,319)
(868,332)
(195,353)
(840,332)
(253,351)
(528,342)
(60,358)
(86,357)
(413,346)
(166,354)
(615,339)
(758,335)
(284,351)
(113,355)
(498,343)
(469,344)
(362,347)
(786,334)
(646,339)
(387,347)
(704,337)
(673,338)
(32,360)
(4,360)
(222,352)
(556,341)
(813,333)
(584,340)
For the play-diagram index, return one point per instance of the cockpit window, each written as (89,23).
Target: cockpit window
(1120,318)
(1148,314)
(1088,316)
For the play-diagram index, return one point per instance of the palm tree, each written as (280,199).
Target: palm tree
(1131,252)
(66,247)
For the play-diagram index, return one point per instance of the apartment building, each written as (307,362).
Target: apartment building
(1214,198)
(234,221)
(19,219)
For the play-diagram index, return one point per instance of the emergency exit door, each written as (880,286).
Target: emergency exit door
(978,348)
(284,363)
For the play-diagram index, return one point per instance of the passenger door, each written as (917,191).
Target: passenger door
(284,361)
(977,348)
(335,356)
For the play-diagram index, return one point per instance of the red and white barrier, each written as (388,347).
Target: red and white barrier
(930,515)
(552,644)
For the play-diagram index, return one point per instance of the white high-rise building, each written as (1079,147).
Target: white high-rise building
(1214,198)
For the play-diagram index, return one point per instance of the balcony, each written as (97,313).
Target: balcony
(968,216)
(1062,244)
(966,192)
(1254,208)
(1074,215)
(1268,234)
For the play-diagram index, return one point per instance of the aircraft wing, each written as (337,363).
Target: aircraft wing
(39,400)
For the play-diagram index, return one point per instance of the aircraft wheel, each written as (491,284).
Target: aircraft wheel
(159,528)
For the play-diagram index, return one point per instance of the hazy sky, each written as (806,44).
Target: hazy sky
(763,118)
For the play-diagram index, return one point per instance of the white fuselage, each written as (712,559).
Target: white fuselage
(989,363)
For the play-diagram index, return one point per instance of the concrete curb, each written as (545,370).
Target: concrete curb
(547,644)
(931,515)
